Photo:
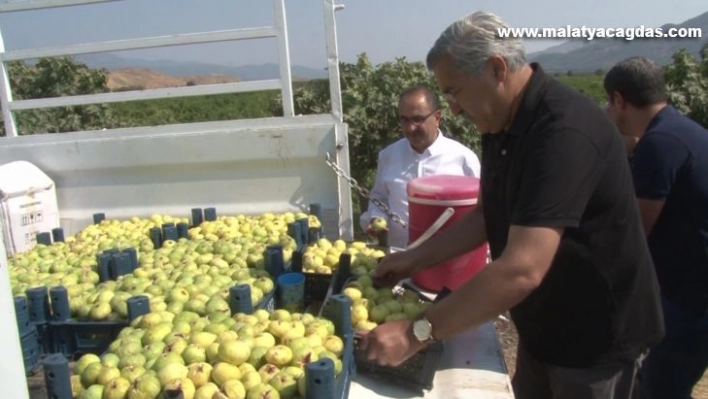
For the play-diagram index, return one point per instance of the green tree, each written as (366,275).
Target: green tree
(687,80)
(370,99)
(56,77)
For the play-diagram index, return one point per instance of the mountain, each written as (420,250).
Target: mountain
(583,55)
(132,78)
(187,68)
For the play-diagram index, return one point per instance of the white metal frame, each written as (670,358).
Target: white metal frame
(278,31)
(30,147)
(35,148)
(24,5)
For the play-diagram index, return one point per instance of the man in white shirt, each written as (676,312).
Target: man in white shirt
(423,151)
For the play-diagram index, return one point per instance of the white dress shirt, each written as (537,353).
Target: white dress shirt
(399,163)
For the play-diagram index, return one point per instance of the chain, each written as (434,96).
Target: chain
(365,193)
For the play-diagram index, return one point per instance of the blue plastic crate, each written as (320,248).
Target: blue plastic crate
(338,309)
(31,351)
(418,372)
(317,285)
(73,338)
(22,315)
(322,382)
(268,302)
(43,337)
(32,360)
(240,300)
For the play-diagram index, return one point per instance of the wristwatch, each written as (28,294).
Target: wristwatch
(423,330)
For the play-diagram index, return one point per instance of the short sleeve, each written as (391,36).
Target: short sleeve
(560,174)
(472,164)
(656,163)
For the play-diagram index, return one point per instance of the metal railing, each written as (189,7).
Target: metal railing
(278,30)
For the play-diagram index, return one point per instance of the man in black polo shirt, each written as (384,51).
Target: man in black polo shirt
(557,207)
(670,169)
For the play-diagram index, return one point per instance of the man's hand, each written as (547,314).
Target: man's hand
(376,226)
(391,344)
(396,267)
(370,231)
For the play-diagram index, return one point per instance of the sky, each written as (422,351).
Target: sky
(384,29)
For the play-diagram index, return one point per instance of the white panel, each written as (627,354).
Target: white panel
(254,168)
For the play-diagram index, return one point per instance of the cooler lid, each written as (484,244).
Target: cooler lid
(444,187)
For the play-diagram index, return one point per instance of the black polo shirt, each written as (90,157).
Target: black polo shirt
(563,164)
(670,163)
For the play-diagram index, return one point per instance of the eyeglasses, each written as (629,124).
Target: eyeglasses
(416,120)
(450,97)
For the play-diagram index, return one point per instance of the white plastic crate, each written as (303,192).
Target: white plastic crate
(28,205)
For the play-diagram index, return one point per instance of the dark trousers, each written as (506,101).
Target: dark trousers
(537,380)
(678,362)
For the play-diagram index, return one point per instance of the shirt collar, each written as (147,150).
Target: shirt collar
(435,149)
(667,110)
(530,100)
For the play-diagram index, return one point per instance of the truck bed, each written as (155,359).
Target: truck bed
(242,166)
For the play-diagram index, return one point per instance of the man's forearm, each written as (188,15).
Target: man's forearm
(497,288)
(464,236)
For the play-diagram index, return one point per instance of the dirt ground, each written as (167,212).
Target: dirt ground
(508,339)
(35,384)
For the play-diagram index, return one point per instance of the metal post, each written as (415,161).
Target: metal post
(284,58)
(335,90)
(6,96)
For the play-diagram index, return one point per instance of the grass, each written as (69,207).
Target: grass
(588,84)
(195,109)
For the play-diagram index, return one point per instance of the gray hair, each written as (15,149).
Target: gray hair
(472,40)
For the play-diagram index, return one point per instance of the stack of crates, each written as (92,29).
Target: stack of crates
(40,313)
(29,337)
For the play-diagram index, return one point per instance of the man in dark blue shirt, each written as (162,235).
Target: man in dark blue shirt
(670,173)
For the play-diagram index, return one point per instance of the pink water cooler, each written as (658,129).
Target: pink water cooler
(428,198)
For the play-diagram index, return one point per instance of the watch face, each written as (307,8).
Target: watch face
(422,329)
